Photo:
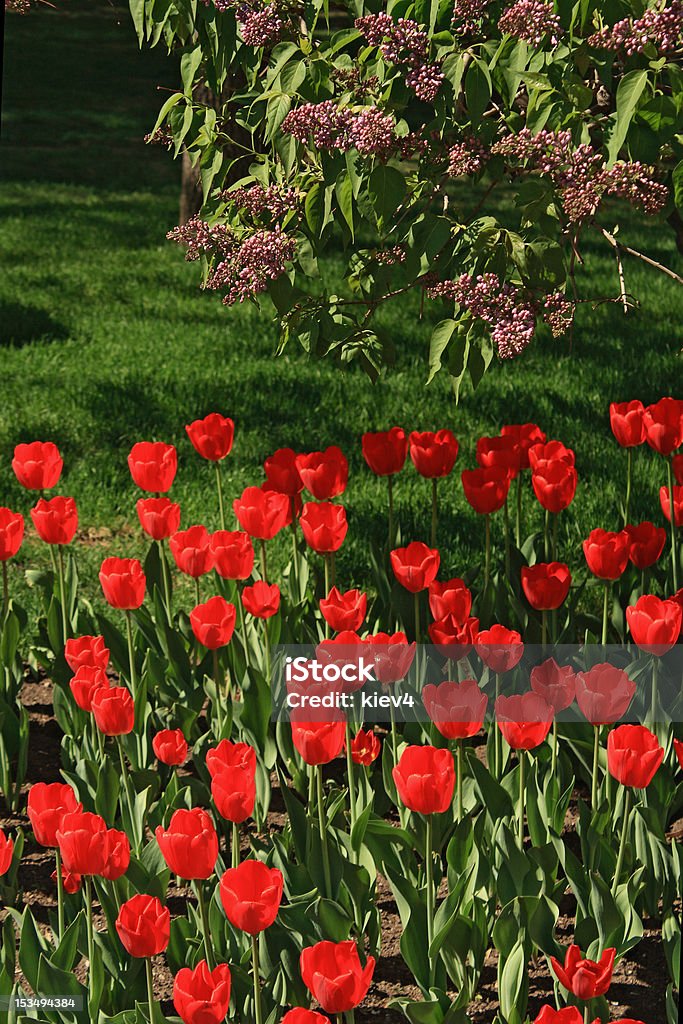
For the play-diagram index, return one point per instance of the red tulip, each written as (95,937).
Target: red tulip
(567,1015)
(48,802)
(294,506)
(213,622)
(114,710)
(392,656)
(299,1015)
(123,582)
(627,422)
(251,895)
(261,513)
(665,502)
(234,791)
(153,465)
(633,755)
(11,533)
(6,852)
(365,747)
(71,882)
(550,451)
(85,683)
(212,437)
(170,746)
(546,584)
(524,719)
(332,973)
(486,489)
(191,550)
(233,554)
(500,648)
(385,452)
(282,473)
(159,517)
(450,598)
(344,611)
(262,600)
(318,742)
(425,779)
(189,845)
(555,683)
(324,474)
(603,693)
(433,453)
(458,637)
(202,996)
(586,979)
(324,526)
(56,520)
(415,566)
(664,425)
(525,435)
(83,842)
(235,756)
(456,709)
(118,855)
(144,926)
(655,625)
(646,544)
(502,453)
(38,465)
(678,749)
(554,483)
(607,553)
(86,651)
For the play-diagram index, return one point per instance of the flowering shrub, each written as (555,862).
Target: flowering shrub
(159,816)
(395,132)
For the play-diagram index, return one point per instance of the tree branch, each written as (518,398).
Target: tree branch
(641,256)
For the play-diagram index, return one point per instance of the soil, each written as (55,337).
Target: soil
(637,991)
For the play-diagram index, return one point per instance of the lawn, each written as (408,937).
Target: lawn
(106,338)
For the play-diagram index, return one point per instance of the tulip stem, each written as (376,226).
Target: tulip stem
(150,988)
(556,518)
(131,653)
(458,780)
(219,692)
(352,788)
(429,879)
(323,833)
(60,894)
(264,562)
(518,523)
(487,556)
(553,760)
(497,736)
(506,525)
(129,797)
(62,592)
(258,1010)
(266,637)
(208,949)
(416,602)
(243,629)
(235,845)
(605,612)
(326,562)
(166,579)
(435,510)
(629,468)
(546,536)
(544,628)
(622,842)
(91,942)
(219,488)
(596,763)
(295,552)
(672,517)
(654,694)
(5,594)
(197,595)
(390,483)
(520,809)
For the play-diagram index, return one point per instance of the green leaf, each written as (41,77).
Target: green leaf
(441,335)
(387,189)
(477,90)
(344,192)
(677,180)
(629,91)
(276,111)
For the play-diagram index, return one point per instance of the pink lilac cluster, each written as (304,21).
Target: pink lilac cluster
(580,175)
(404,43)
(203,239)
(351,79)
(260,24)
(468,16)
(390,257)
(466,157)
(330,126)
(245,272)
(658,27)
(558,312)
(161,137)
(505,309)
(531,20)
(18,6)
(276,200)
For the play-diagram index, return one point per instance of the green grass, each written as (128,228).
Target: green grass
(107,340)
